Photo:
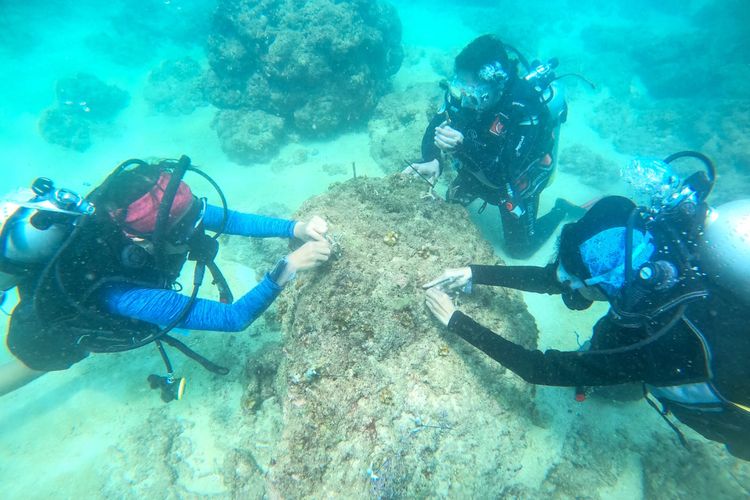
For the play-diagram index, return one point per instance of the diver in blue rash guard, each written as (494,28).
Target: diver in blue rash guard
(501,128)
(160,306)
(104,279)
(677,278)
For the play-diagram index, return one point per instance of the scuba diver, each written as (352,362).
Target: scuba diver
(100,273)
(501,130)
(676,275)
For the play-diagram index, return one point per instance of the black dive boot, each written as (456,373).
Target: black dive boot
(571,210)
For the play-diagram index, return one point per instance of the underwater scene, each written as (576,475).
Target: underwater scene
(284,249)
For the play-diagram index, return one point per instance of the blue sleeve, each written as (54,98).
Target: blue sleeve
(162,306)
(242,224)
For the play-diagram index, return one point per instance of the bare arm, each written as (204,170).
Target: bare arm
(15,374)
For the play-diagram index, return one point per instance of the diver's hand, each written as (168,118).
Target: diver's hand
(310,255)
(451,279)
(447,138)
(312,230)
(440,304)
(430,170)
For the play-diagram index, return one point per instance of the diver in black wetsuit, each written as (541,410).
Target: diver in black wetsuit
(680,307)
(500,129)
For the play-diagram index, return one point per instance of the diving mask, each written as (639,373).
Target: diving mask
(479,95)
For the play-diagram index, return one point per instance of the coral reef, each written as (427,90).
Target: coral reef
(377,399)
(366,396)
(176,87)
(85,106)
(398,124)
(260,375)
(248,136)
(321,64)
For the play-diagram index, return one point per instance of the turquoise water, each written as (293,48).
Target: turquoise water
(668,77)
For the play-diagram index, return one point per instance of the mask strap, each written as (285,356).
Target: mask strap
(162,217)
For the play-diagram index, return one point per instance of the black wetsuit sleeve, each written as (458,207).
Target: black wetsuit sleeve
(571,368)
(527,278)
(429,150)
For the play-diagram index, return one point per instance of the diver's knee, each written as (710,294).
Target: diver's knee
(520,250)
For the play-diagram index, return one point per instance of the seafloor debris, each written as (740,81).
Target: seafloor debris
(390,238)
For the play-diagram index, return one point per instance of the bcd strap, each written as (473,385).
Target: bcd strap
(162,218)
(664,414)
(207,364)
(225,293)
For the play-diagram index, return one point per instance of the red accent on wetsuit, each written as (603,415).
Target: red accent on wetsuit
(497,127)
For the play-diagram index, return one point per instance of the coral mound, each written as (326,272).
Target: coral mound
(321,64)
(85,106)
(176,87)
(398,124)
(376,397)
(248,137)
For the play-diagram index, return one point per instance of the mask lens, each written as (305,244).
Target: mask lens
(457,88)
(469,102)
(573,282)
(471,96)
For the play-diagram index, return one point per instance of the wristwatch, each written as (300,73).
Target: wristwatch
(278,271)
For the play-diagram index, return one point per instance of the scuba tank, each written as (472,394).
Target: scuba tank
(554,97)
(542,76)
(709,246)
(725,247)
(34,223)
